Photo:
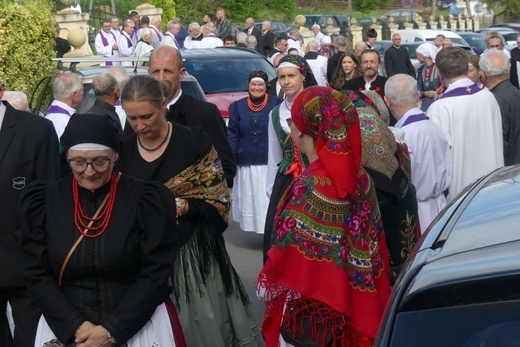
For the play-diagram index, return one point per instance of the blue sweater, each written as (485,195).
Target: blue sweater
(248,132)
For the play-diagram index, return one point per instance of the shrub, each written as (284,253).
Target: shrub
(168,7)
(26,43)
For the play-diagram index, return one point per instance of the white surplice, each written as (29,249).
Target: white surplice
(472,125)
(431,164)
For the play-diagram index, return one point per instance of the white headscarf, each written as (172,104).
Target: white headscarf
(428,50)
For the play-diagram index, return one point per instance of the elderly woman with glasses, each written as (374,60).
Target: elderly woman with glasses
(98,248)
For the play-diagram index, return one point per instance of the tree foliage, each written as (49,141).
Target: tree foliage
(168,7)
(509,8)
(26,43)
(365,6)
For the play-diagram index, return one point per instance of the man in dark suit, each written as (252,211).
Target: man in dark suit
(515,62)
(106,90)
(251,30)
(166,63)
(370,64)
(267,37)
(28,151)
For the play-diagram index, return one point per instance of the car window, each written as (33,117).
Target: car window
(311,20)
(226,75)
(418,39)
(488,324)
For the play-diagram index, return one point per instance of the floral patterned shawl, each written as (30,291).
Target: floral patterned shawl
(204,180)
(328,264)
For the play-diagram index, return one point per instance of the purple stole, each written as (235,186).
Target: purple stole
(174,40)
(415,118)
(134,30)
(57,109)
(127,39)
(105,43)
(159,36)
(461,91)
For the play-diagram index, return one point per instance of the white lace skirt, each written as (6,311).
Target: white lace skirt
(250,202)
(157,332)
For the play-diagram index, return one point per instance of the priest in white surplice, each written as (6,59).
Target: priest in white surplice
(106,43)
(429,150)
(469,118)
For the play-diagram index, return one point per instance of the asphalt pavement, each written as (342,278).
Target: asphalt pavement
(245,251)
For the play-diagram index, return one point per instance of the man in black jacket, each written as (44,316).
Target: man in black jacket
(251,30)
(166,63)
(106,90)
(28,152)
(397,59)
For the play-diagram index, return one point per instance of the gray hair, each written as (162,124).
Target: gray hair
(316,26)
(16,99)
(294,30)
(401,90)
(251,42)
(341,41)
(495,67)
(380,104)
(209,28)
(104,85)
(452,62)
(268,23)
(171,24)
(195,26)
(120,74)
(65,84)
(360,46)
(241,37)
(145,32)
(312,46)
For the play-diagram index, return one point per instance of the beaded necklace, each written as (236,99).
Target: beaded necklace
(104,217)
(259,107)
(159,146)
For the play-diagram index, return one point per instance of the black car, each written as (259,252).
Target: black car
(475,40)
(278,28)
(338,21)
(461,285)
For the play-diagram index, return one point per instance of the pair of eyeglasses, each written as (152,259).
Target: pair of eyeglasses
(99,165)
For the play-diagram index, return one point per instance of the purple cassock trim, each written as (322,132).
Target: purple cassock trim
(57,109)
(127,39)
(461,91)
(415,118)
(105,43)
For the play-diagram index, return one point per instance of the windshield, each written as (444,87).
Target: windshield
(226,75)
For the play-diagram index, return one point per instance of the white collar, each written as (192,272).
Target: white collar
(463,82)
(174,99)
(408,113)
(2,113)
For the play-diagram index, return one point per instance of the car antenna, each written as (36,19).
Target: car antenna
(136,65)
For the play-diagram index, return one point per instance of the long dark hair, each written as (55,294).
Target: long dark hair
(340,77)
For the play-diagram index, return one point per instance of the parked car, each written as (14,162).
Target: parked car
(278,28)
(222,72)
(514,26)
(444,3)
(508,35)
(476,41)
(338,21)
(42,97)
(421,35)
(478,8)
(460,286)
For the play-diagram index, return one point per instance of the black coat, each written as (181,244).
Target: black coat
(28,152)
(358,84)
(398,61)
(259,39)
(101,107)
(515,57)
(268,42)
(192,112)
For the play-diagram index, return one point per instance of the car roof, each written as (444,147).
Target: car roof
(428,33)
(475,238)
(218,52)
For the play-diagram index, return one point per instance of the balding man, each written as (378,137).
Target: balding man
(28,152)
(317,62)
(107,92)
(251,30)
(447,43)
(397,59)
(341,44)
(223,25)
(68,95)
(469,118)
(267,38)
(156,25)
(495,68)
(173,29)
(292,40)
(359,48)
(166,63)
(438,40)
(318,35)
(429,150)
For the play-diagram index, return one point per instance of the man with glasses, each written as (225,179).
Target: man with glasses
(106,43)
(195,36)
(280,46)
(28,152)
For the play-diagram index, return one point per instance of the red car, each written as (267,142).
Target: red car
(222,72)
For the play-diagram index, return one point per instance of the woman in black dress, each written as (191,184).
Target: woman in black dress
(98,247)
(212,304)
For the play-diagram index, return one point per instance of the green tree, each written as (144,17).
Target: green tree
(509,8)
(365,6)
(26,43)
(168,7)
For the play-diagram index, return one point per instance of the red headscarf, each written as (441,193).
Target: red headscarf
(330,117)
